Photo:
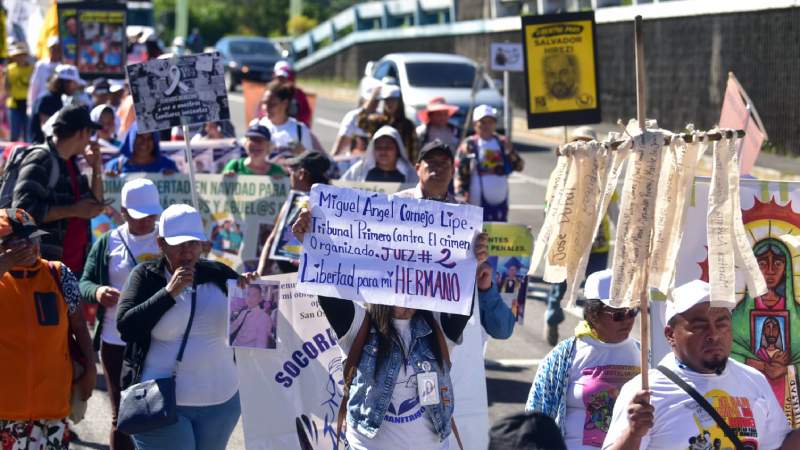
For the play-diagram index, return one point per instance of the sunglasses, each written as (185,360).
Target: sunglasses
(620,314)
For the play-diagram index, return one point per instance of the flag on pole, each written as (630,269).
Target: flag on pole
(48,30)
(738,112)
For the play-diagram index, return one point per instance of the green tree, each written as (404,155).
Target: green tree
(216,18)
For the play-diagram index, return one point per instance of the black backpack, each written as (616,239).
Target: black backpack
(13,166)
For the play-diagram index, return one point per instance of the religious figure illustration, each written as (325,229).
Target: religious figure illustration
(762,326)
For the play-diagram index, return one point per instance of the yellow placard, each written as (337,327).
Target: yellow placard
(561,66)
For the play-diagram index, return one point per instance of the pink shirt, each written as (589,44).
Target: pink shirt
(256,328)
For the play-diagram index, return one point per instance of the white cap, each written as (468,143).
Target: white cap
(52,40)
(69,72)
(140,197)
(181,223)
(687,296)
(598,286)
(584,133)
(116,85)
(482,111)
(282,69)
(390,91)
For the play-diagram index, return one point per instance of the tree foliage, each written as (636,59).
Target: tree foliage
(218,18)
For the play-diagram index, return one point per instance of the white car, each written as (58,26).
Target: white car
(423,76)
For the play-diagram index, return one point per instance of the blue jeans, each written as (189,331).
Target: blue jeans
(198,428)
(554,314)
(18,119)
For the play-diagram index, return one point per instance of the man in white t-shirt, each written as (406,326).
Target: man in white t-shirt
(667,418)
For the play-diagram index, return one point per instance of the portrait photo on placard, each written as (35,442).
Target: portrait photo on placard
(253,314)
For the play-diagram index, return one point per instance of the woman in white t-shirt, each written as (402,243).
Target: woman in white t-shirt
(165,299)
(289,136)
(108,265)
(580,379)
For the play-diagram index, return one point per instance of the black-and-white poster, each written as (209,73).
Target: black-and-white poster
(183,90)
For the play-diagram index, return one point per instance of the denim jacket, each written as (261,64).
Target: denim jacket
(369,400)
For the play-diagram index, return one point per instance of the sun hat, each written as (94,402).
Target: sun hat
(140,198)
(436,104)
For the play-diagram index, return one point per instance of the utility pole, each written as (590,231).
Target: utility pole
(182,18)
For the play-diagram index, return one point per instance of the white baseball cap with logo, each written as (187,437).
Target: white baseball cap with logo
(686,296)
(482,111)
(140,198)
(181,223)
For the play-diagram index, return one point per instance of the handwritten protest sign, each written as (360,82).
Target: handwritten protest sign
(390,250)
(238,212)
(303,375)
(510,248)
(183,90)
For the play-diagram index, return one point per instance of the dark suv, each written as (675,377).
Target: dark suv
(247,58)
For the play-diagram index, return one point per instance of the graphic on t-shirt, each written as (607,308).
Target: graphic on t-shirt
(491,161)
(601,387)
(408,410)
(737,414)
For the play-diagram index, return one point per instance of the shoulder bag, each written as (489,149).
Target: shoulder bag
(152,404)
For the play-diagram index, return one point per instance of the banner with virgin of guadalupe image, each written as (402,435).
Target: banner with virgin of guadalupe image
(766,329)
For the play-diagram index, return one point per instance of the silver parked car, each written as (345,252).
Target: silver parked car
(423,76)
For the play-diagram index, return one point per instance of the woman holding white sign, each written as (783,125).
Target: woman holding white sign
(398,359)
(173,317)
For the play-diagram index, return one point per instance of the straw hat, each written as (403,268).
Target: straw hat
(436,104)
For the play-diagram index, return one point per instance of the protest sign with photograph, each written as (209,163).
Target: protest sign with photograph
(183,90)
(390,250)
(92,37)
(764,327)
(561,69)
(506,56)
(286,247)
(238,212)
(253,314)
(304,376)
(510,248)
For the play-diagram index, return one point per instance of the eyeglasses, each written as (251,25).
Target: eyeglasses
(620,314)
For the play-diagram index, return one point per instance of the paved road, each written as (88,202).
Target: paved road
(510,364)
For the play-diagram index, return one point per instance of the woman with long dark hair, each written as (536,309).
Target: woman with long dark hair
(398,388)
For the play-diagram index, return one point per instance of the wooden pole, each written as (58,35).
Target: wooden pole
(640,117)
(640,83)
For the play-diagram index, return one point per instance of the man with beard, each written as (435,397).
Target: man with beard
(561,75)
(699,333)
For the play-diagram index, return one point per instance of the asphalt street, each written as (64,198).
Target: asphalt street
(510,364)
